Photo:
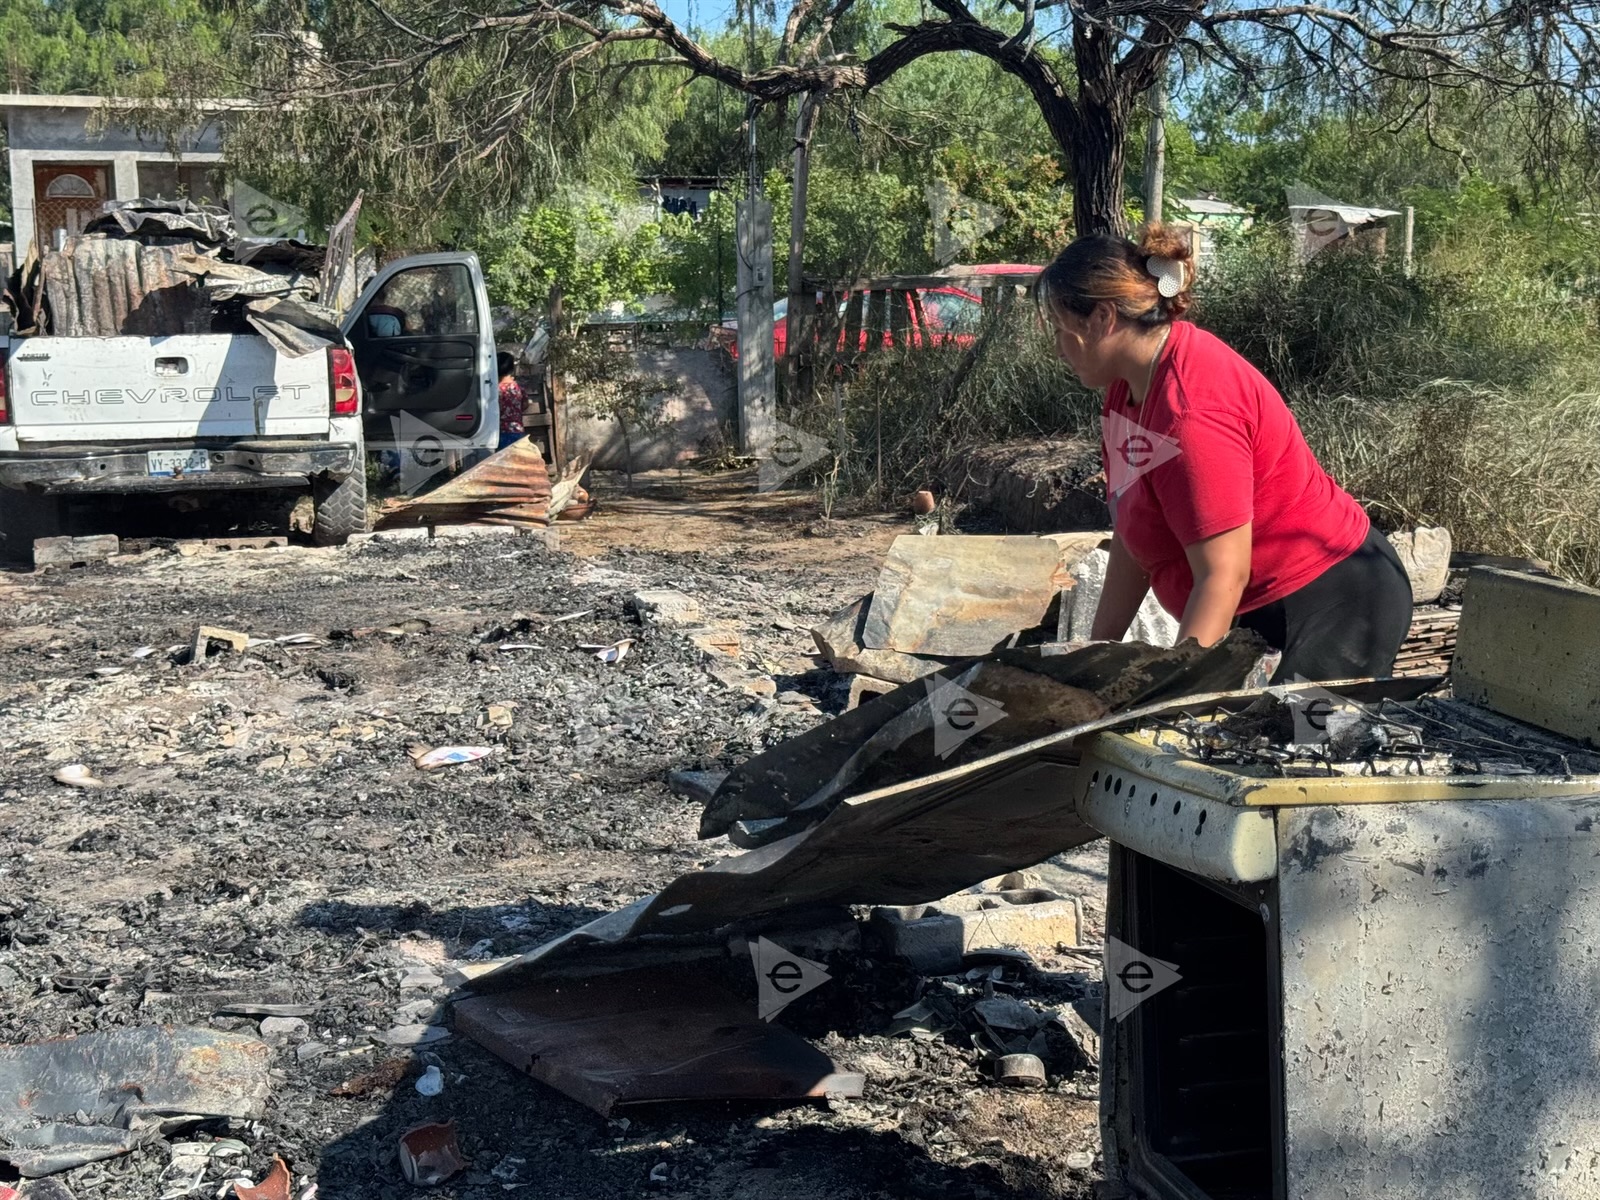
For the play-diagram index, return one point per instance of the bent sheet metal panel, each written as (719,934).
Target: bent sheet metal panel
(1441,1036)
(117,1078)
(649,1035)
(906,844)
(798,772)
(510,487)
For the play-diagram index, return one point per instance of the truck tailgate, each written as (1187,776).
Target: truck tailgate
(163,388)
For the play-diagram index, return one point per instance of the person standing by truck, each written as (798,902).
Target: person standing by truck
(1216,500)
(513,401)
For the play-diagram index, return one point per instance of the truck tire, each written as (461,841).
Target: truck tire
(23,518)
(341,508)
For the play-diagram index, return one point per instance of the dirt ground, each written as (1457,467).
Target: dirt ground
(263,835)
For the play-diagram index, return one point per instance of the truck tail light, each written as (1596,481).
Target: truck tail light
(342,382)
(5,406)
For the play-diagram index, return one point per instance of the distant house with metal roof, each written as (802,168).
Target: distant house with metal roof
(1206,217)
(68,155)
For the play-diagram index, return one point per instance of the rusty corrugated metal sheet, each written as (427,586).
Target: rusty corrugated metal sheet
(510,487)
(103,287)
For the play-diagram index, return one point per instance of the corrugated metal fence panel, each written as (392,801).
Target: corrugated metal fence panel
(105,287)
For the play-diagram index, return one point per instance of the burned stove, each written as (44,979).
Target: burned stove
(1353,938)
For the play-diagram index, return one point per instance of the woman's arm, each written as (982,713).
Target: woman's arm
(1124,590)
(1221,567)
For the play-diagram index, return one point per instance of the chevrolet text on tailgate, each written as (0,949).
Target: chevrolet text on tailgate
(84,419)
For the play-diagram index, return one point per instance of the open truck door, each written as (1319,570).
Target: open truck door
(424,349)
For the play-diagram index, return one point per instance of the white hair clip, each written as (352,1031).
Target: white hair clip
(1169,274)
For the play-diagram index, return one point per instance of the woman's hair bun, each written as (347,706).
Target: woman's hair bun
(1172,250)
(1165,241)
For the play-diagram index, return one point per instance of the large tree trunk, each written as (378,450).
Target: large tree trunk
(1097,148)
(1098,153)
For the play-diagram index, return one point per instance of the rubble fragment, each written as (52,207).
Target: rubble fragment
(1425,554)
(1020,1070)
(840,640)
(611,654)
(668,606)
(695,785)
(430,1082)
(207,634)
(383,1078)
(430,1154)
(412,1035)
(77,775)
(275,1186)
(936,937)
(450,756)
(74,551)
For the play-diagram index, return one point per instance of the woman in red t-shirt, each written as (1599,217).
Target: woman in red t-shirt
(1216,500)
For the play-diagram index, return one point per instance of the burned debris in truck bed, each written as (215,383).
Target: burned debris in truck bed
(158,267)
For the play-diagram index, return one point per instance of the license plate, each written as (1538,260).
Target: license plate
(176,462)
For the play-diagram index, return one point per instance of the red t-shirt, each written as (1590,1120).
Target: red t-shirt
(1212,447)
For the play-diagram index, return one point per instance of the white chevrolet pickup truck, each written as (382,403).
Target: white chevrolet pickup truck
(86,422)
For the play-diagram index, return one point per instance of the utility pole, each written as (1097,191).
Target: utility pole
(1155,150)
(757,374)
(797,340)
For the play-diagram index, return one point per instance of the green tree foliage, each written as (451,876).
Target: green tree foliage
(597,249)
(96,47)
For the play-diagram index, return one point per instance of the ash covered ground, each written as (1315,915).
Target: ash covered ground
(263,835)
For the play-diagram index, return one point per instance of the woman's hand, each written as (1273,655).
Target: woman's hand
(1124,590)
(1221,568)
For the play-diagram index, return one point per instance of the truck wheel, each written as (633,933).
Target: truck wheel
(341,508)
(23,518)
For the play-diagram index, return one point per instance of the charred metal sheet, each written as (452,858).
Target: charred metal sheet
(294,327)
(510,487)
(339,283)
(225,281)
(908,843)
(107,287)
(650,1035)
(77,1100)
(891,739)
(181,220)
(966,595)
(839,638)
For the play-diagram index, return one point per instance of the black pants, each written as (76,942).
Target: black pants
(1347,623)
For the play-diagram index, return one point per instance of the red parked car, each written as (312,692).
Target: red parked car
(949,316)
